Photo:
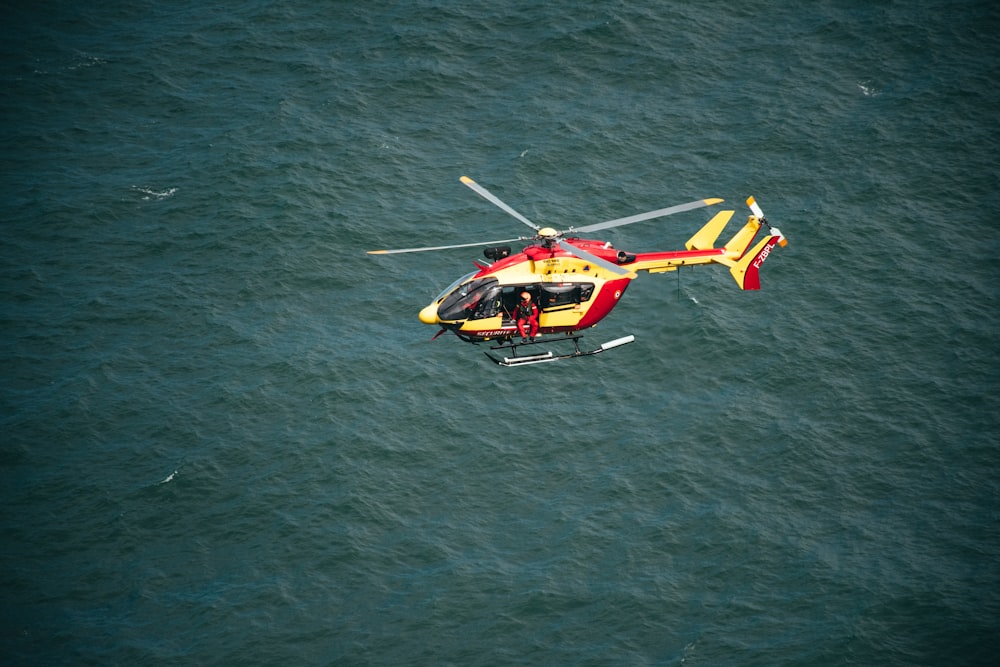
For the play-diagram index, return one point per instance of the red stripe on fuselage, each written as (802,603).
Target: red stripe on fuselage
(603,302)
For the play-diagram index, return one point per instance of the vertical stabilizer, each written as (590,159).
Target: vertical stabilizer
(741,241)
(746,271)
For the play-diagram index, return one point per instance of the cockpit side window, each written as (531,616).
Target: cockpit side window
(474,300)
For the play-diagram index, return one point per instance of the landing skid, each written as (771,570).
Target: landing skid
(515,360)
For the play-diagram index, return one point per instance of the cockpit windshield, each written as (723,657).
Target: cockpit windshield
(472,301)
(447,290)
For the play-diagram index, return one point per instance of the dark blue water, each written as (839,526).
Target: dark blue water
(227,438)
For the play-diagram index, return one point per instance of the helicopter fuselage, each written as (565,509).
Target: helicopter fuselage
(571,292)
(576,282)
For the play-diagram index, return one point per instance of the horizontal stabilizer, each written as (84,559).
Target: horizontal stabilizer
(705,238)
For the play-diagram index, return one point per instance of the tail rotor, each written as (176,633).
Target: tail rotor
(757,211)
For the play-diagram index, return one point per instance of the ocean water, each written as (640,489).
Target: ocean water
(228,440)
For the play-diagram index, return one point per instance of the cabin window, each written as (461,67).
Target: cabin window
(565,294)
(547,296)
(473,300)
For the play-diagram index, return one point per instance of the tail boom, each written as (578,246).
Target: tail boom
(743,254)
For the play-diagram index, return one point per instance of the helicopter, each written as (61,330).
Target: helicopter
(576,282)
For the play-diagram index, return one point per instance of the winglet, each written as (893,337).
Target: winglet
(706,236)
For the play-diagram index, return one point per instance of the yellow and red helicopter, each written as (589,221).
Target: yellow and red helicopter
(576,282)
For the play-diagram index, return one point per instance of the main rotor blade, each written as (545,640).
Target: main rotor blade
(490,197)
(444,247)
(603,263)
(645,216)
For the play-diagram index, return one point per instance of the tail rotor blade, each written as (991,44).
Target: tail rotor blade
(759,212)
(490,197)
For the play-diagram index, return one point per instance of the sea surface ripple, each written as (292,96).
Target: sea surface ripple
(228,440)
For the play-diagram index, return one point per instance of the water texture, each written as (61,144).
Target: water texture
(228,440)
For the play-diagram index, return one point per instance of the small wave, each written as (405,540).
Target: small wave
(87,61)
(150,193)
(868,89)
(169,477)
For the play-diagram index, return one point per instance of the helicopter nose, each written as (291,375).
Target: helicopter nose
(429,315)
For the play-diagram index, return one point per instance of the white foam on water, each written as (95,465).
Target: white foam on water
(150,193)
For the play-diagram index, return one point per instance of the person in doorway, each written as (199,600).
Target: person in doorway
(526,315)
